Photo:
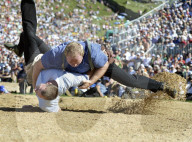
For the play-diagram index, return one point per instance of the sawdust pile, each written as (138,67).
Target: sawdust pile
(149,103)
(174,81)
(127,106)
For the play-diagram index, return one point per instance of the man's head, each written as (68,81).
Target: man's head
(138,55)
(47,91)
(74,53)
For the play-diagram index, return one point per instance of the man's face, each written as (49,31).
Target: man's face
(74,61)
(138,56)
(40,88)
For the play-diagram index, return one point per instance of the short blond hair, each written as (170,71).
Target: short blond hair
(50,93)
(73,48)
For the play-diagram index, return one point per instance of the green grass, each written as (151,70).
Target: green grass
(132,6)
(101,22)
(135,6)
(72,4)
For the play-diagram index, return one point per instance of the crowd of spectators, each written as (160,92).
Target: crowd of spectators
(168,27)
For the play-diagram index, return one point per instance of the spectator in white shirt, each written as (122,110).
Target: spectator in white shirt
(172,69)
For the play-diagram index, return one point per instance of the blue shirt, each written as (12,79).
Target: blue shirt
(54,58)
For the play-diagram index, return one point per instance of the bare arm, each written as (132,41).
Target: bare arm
(98,89)
(98,73)
(36,70)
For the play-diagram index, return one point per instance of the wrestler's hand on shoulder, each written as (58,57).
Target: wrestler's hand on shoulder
(85,84)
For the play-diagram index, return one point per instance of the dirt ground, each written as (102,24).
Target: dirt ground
(94,119)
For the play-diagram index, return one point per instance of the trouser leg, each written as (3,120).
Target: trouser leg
(42,46)
(29,42)
(127,79)
(29,20)
(29,23)
(21,87)
(21,44)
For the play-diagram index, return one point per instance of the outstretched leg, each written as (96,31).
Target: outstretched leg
(29,23)
(42,46)
(138,81)
(33,44)
(129,80)
(28,40)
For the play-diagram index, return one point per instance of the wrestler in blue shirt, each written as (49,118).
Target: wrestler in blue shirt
(54,58)
(73,57)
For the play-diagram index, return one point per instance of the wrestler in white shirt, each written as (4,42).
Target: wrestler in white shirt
(64,80)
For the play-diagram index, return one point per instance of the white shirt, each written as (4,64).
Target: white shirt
(127,55)
(146,61)
(130,64)
(64,79)
(173,71)
(171,45)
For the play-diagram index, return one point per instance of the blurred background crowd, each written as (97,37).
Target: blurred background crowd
(159,43)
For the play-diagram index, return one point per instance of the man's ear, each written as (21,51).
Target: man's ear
(52,82)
